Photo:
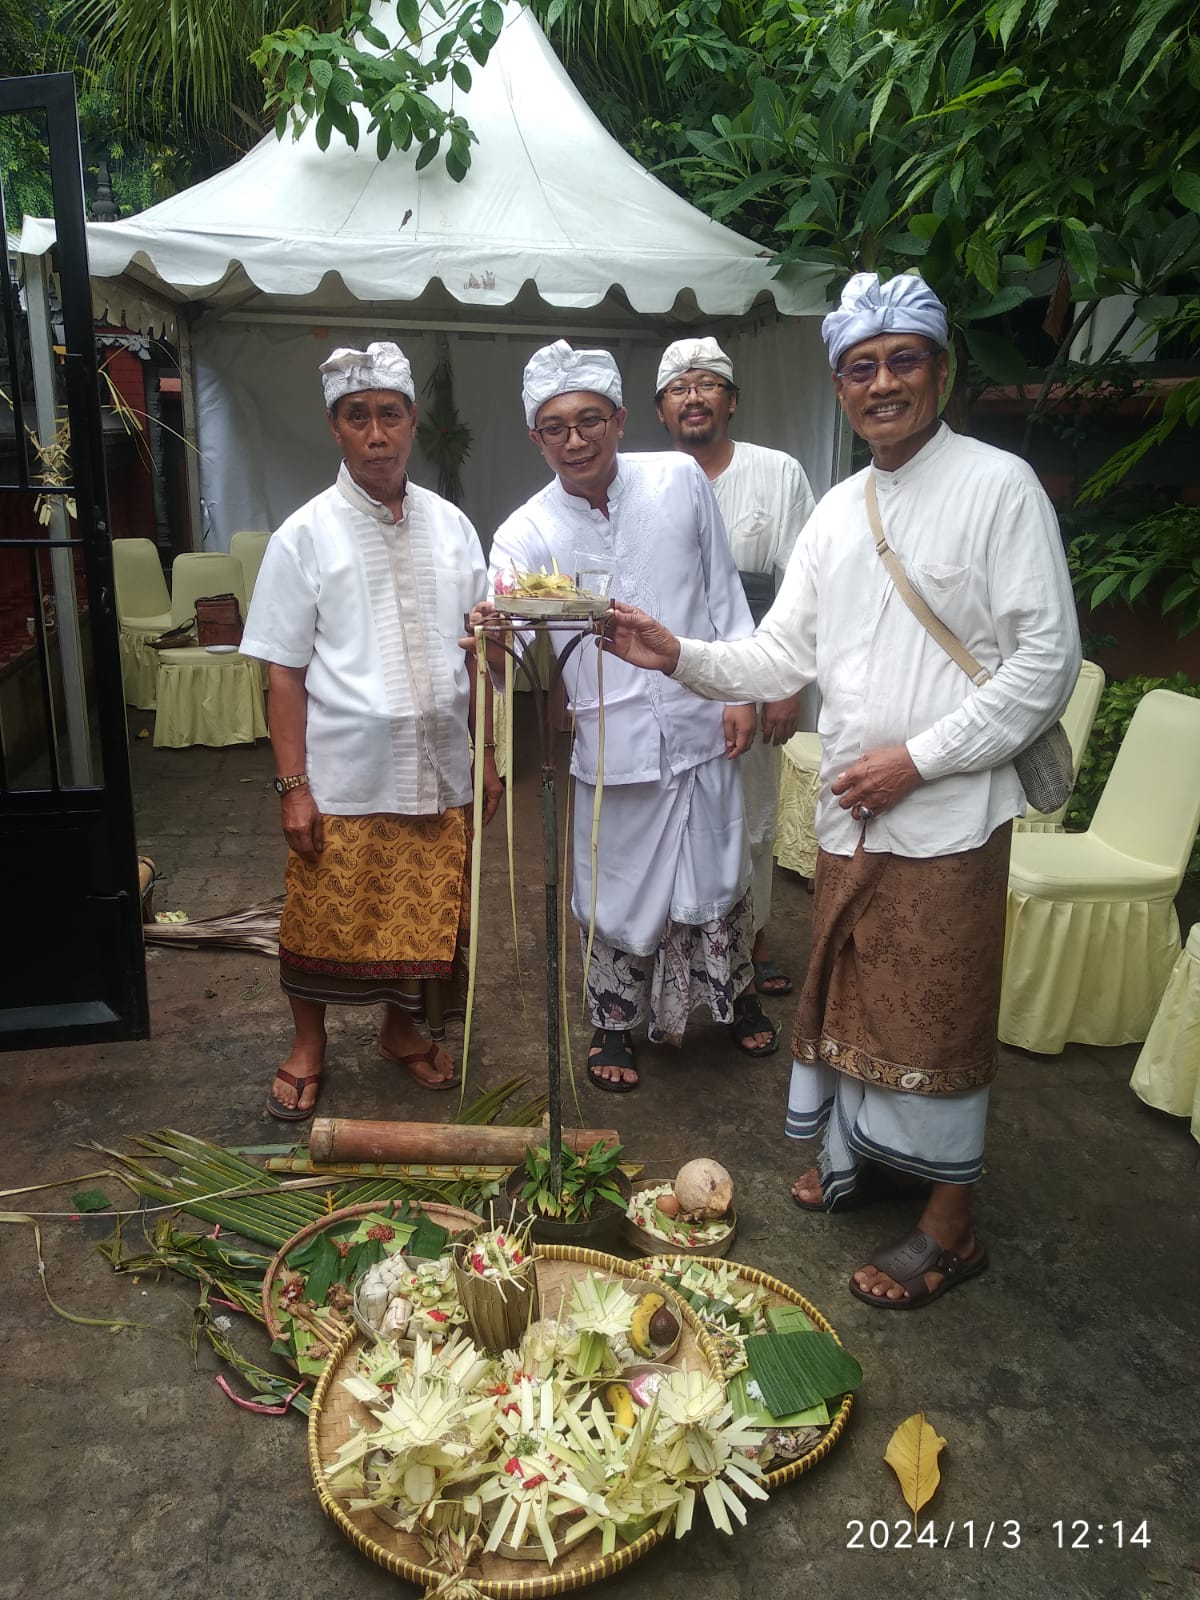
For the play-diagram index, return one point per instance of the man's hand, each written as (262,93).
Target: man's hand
(496,627)
(741,724)
(493,787)
(303,825)
(876,782)
(641,640)
(780,719)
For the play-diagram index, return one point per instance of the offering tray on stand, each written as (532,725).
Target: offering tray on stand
(550,607)
(335,1412)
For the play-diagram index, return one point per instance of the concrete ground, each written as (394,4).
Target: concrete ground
(1064,1380)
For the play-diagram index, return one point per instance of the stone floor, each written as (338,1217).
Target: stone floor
(1064,1380)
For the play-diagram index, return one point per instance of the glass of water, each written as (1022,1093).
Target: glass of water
(594,574)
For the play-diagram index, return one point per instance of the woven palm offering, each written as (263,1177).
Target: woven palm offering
(543,1468)
(496,1283)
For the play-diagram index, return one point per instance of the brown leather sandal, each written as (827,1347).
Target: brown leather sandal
(296,1113)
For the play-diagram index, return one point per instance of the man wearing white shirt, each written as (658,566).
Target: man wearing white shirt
(765,500)
(358,607)
(894,1044)
(673,924)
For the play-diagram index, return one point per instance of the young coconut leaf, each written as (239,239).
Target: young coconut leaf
(476,856)
(912,1454)
(509,785)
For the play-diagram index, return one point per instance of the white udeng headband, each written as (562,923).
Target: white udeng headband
(557,369)
(684,354)
(379,366)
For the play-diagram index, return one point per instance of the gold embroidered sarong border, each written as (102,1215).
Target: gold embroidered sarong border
(903,985)
(386,899)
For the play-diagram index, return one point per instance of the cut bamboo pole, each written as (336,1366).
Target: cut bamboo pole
(335,1140)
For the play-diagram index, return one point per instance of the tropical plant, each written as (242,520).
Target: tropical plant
(587,1181)
(1148,557)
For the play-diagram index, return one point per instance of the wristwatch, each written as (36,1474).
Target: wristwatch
(298,781)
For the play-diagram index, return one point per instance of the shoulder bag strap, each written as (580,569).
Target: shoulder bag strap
(932,624)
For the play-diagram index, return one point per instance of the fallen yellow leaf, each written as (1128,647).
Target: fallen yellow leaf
(912,1454)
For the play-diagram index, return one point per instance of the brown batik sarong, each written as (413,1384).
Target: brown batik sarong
(903,985)
(382,915)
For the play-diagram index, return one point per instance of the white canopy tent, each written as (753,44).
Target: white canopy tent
(555,231)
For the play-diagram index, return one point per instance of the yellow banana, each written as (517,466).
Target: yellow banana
(639,1326)
(620,1402)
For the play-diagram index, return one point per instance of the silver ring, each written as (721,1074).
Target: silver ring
(865,813)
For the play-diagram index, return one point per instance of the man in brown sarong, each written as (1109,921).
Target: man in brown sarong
(894,1046)
(358,607)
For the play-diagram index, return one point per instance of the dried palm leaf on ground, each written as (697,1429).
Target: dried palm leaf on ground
(256,928)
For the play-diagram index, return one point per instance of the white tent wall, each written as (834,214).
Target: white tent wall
(266,448)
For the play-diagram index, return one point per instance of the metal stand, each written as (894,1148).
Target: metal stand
(521,649)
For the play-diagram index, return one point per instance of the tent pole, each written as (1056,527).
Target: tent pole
(191,450)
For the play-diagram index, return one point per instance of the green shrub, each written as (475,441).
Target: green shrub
(1117,705)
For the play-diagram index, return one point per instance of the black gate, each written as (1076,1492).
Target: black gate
(73,970)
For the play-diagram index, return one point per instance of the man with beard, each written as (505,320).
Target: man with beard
(765,500)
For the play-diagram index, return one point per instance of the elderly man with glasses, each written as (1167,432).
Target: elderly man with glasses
(764,500)
(673,912)
(894,1045)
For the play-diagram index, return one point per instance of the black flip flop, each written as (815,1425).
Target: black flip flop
(771,972)
(609,1054)
(296,1113)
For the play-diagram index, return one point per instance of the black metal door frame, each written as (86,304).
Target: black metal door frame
(103,995)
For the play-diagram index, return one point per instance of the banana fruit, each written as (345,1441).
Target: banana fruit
(620,1402)
(639,1326)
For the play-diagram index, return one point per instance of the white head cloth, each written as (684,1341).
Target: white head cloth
(685,354)
(557,369)
(379,366)
(904,304)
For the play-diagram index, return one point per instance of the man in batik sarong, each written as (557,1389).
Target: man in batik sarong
(673,916)
(894,1043)
(765,500)
(358,608)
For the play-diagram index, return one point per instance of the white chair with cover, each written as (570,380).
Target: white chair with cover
(207,697)
(1092,932)
(143,612)
(249,549)
(1077,722)
(799,786)
(1167,1074)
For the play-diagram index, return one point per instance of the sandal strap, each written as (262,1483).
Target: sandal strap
(907,1263)
(297,1083)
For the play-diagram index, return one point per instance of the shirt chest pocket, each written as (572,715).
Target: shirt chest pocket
(936,578)
(750,537)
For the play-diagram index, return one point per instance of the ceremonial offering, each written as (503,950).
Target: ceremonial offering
(496,1285)
(546,594)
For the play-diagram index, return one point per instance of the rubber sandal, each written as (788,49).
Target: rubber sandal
(771,972)
(873,1187)
(296,1113)
(609,1054)
(429,1056)
(749,1018)
(908,1262)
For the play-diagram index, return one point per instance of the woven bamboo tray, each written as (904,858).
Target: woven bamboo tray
(334,1412)
(452,1218)
(784,1294)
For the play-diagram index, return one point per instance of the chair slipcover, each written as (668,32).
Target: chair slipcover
(143,612)
(1077,721)
(205,698)
(1167,1074)
(1092,933)
(799,785)
(248,549)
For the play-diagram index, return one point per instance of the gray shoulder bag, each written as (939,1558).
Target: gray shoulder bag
(1046,766)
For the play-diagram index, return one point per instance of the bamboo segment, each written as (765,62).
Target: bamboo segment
(509,785)
(476,851)
(596,798)
(337,1140)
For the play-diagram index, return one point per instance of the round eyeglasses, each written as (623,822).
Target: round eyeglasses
(706,387)
(904,364)
(589,430)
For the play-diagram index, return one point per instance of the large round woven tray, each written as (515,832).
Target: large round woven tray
(452,1218)
(785,1295)
(334,1411)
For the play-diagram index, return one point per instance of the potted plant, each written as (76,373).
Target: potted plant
(595,1193)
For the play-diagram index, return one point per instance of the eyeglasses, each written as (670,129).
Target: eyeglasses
(706,387)
(589,430)
(904,364)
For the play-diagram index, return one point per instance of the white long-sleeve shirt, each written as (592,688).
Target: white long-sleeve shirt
(979,540)
(373,610)
(765,500)
(670,554)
